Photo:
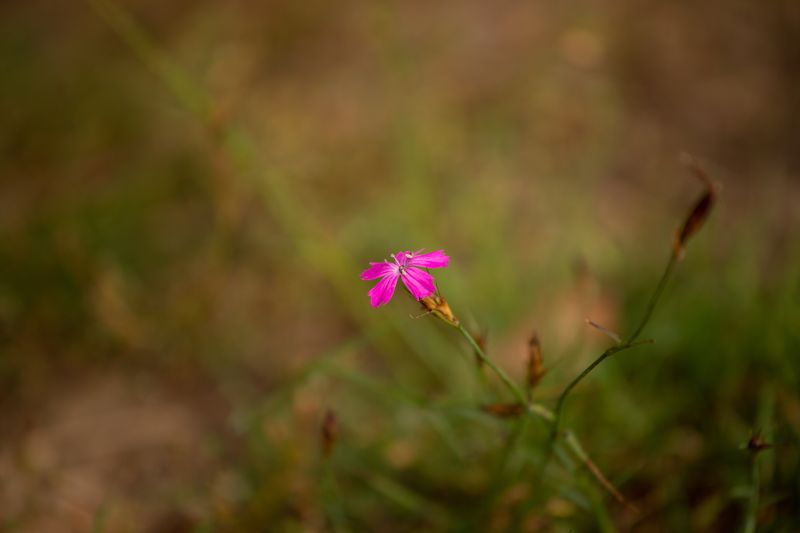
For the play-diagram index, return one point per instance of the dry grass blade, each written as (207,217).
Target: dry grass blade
(598,474)
(608,485)
(615,337)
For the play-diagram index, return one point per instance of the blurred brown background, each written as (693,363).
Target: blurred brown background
(190,189)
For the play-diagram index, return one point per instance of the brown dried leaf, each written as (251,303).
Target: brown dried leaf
(504,410)
(603,480)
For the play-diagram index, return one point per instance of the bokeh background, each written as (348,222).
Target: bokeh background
(189,191)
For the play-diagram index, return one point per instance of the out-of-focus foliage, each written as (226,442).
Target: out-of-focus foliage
(190,189)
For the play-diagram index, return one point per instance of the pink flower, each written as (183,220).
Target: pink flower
(407,266)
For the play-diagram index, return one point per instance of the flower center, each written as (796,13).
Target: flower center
(401,259)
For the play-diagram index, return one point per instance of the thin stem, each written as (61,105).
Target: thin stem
(543,413)
(751,518)
(605,355)
(630,343)
(556,416)
(515,390)
(673,259)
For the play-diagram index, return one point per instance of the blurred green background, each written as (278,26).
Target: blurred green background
(189,191)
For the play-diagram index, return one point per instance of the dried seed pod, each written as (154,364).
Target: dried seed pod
(504,410)
(439,307)
(699,213)
(330,431)
(757,444)
(535,367)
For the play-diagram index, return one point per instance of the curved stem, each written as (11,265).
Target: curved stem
(630,343)
(608,353)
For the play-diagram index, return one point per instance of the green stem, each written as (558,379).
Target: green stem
(751,519)
(605,355)
(536,409)
(543,413)
(651,305)
(630,343)
(515,390)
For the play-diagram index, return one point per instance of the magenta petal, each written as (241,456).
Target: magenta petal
(436,259)
(379,270)
(382,292)
(418,282)
(402,257)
